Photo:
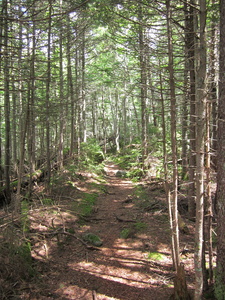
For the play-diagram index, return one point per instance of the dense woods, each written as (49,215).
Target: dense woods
(83,79)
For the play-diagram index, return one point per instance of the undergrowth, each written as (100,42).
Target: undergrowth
(87,203)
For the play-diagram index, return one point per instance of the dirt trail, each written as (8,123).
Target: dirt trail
(120,269)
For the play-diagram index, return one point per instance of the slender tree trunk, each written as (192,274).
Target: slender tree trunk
(23,134)
(180,286)
(83,97)
(220,267)
(94,115)
(61,121)
(48,82)
(208,197)
(23,121)
(200,139)
(71,92)
(213,59)
(103,122)
(1,166)
(1,44)
(174,210)
(6,104)
(117,125)
(31,102)
(190,46)
(165,164)
(136,117)
(14,127)
(143,86)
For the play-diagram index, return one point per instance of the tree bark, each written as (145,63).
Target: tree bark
(61,94)
(6,104)
(143,86)
(48,82)
(220,268)
(190,45)
(200,143)
(174,210)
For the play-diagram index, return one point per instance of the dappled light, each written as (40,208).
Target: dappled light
(111,149)
(133,260)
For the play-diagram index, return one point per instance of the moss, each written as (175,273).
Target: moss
(87,204)
(125,233)
(156,256)
(92,239)
(140,226)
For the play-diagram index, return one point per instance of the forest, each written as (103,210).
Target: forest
(112,137)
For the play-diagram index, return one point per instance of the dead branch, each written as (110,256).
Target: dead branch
(125,220)
(89,247)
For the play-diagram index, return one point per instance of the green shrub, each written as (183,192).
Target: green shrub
(125,233)
(47,201)
(135,173)
(93,239)
(87,204)
(91,153)
(25,222)
(129,157)
(139,226)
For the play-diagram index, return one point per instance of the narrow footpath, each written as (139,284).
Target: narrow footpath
(121,269)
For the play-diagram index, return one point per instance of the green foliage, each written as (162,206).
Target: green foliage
(70,230)
(219,285)
(25,222)
(129,232)
(16,259)
(140,226)
(47,201)
(126,233)
(135,173)
(87,204)
(129,158)
(140,192)
(93,239)
(99,186)
(156,256)
(24,251)
(91,153)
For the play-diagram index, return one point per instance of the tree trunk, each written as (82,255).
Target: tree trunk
(180,285)
(213,59)
(220,268)
(61,94)
(6,104)
(200,140)
(48,82)
(83,96)
(174,211)
(190,46)
(208,196)
(143,87)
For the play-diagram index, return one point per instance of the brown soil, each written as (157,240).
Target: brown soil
(121,269)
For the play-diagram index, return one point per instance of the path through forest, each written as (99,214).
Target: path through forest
(132,267)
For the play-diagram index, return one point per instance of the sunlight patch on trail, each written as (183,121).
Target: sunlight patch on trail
(116,274)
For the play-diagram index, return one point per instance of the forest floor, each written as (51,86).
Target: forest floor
(134,261)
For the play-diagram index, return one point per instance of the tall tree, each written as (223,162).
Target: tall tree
(201,95)
(48,98)
(220,268)
(6,100)
(190,13)
(180,287)
(143,81)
